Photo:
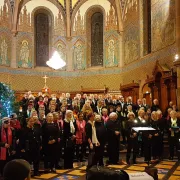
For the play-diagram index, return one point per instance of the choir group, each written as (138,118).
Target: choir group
(52,129)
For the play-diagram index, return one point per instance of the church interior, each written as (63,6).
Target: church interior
(112,50)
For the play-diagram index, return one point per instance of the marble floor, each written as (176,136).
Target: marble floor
(167,170)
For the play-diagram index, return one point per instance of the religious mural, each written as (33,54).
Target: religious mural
(131,44)
(111,51)
(4,52)
(79,55)
(163,24)
(61,48)
(25,54)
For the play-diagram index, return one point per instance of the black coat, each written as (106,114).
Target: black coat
(30,139)
(101,133)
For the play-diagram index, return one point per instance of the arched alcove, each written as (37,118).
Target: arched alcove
(95,22)
(42,36)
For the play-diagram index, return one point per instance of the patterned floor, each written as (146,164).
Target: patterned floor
(167,170)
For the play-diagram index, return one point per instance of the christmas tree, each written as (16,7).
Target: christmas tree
(7,101)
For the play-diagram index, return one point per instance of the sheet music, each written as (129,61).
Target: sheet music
(137,129)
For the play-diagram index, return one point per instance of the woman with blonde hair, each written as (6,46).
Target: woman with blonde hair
(69,134)
(50,133)
(86,109)
(173,133)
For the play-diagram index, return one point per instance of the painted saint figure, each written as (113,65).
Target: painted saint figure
(24,54)
(79,56)
(111,53)
(4,51)
(61,51)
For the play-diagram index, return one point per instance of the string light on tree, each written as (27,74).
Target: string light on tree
(7,100)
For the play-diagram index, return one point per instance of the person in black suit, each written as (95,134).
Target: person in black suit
(129,102)
(108,100)
(30,144)
(69,101)
(155,105)
(138,106)
(132,137)
(46,104)
(99,107)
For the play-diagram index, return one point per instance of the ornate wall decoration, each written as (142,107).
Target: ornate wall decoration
(24,23)
(61,48)
(111,51)
(163,24)
(5,49)
(111,20)
(5,17)
(25,59)
(79,55)
(4,60)
(131,44)
(59,27)
(79,28)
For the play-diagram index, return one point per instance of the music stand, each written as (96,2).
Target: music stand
(144,129)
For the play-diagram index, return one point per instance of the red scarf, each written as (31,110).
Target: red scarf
(4,140)
(80,133)
(40,103)
(105,118)
(15,125)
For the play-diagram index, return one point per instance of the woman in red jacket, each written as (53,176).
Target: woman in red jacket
(80,137)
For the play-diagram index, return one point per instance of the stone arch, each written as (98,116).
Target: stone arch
(56,3)
(114,4)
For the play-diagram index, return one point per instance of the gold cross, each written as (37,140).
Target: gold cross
(45,79)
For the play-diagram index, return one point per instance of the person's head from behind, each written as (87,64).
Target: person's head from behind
(17,169)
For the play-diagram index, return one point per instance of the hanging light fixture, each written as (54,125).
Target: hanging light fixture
(56,62)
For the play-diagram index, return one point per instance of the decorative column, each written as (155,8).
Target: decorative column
(68,37)
(68,19)
(13,53)
(177,60)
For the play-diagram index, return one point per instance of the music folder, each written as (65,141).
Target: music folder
(141,129)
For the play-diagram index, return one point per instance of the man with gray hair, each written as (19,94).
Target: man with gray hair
(113,137)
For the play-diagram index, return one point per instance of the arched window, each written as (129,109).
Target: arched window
(42,37)
(97,39)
